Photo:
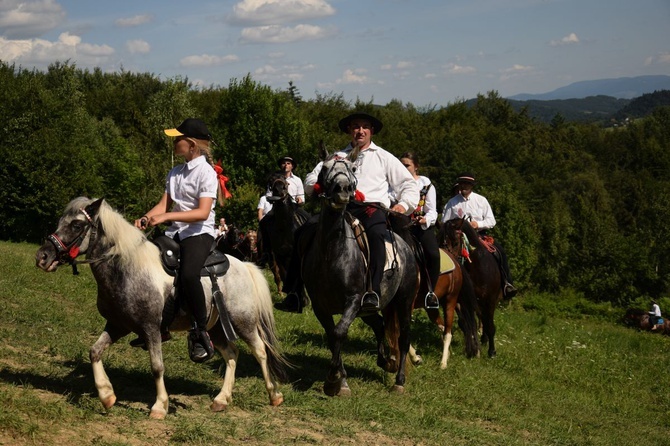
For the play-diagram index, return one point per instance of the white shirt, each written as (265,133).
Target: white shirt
(264,204)
(430,206)
(295,188)
(377,172)
(655,310)
(186,184)
(475,206)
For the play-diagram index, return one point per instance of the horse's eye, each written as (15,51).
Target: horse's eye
(76,225)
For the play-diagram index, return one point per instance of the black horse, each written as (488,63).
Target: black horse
(279,225)
(459,237)
(334,273)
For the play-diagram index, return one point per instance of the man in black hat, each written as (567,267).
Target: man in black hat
(470,204)
(295,186)
(377,171)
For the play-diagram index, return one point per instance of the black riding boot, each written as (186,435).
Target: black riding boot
(200,347)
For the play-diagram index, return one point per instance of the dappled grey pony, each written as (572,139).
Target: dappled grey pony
(334,273)
(133,289)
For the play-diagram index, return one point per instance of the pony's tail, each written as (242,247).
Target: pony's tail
(466,310)
(277,363)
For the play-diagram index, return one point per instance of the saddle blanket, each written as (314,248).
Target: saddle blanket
(446,263)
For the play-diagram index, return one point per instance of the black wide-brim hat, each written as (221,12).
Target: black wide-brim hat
(191,128)
(376,123)
(466,177)
(286,158)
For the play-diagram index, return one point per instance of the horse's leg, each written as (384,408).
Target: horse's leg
(102,382)
(404,314)
(376,322)
(449,309)
(160,408)
(489,329)
(230,353)
(258,349)
(336,380)
(414,356)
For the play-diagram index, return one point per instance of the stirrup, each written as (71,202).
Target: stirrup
(200,347)
(431,301)
(509,291)
(370,302)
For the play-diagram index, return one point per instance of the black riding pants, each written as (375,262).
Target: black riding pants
(374,222)
(431,253)
(193,253)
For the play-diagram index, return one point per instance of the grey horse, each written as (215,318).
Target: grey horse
(133,289)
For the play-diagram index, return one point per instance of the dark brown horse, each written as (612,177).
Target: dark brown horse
(458,236)
(242,246)
(641,320)
(455,291)
(279,225)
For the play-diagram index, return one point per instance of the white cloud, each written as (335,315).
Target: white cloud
(278,34)
(516,70)
(43,52)
(453,68)
(137,20)
(24,19)
(659,59)
(353,77)
(570,39)
(270,73)
(207,60)
(138,46)
(273,12)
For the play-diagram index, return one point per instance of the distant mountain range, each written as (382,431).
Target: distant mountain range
(620,88)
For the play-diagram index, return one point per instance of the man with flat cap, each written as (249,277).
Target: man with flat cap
(377,171)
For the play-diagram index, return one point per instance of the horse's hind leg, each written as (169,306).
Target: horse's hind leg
(230,353)
(258,349)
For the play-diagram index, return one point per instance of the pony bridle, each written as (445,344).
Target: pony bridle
(66,253)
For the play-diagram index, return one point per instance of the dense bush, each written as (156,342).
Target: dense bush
(579,207)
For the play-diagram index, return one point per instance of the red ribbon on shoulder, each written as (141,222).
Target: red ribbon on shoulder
(222,180)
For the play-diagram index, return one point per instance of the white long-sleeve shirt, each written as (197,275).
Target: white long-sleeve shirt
(655,310)
(377,171)
(295,188)
(475,206)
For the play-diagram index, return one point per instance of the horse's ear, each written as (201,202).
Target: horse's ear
(93,208)
(323,152)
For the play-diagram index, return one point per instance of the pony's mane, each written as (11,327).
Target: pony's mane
(127,243)
(471,233)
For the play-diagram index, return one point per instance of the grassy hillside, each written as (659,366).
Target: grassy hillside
(557,380)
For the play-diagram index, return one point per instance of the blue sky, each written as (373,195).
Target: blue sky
(424,52)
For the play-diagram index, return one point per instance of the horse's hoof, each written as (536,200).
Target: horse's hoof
(344,390)
(108,402)
(277,400)
(492,355)
(217,407)
(418,360)
(398,390)
(157,414)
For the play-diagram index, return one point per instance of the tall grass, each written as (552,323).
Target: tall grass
(559,379)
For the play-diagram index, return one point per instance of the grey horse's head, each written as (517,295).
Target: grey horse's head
(338,182)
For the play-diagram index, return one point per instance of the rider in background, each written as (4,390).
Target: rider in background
(655,315)
(188,205)
(425,216)
(377,172)
(477,208)
(295,187)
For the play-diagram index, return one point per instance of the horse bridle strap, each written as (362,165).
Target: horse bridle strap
(67,253)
